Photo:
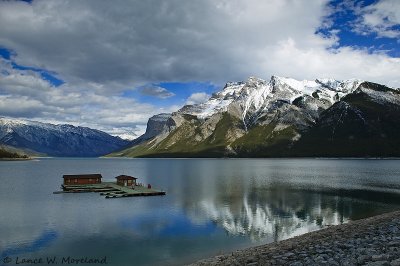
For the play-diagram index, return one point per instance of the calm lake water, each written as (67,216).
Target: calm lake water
(212,206)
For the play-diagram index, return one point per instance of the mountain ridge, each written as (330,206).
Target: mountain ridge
(57,140)
(258,118)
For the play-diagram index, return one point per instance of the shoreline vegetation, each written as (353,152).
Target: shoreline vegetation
(370,241)
(6,155)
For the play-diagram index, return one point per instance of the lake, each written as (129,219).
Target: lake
(212,206)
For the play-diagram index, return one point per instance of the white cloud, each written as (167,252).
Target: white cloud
(17,106)
(346,63)
(380,18)
(198,97)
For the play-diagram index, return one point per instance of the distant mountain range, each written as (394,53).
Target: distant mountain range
(282,117)
(35,138)
(278,118)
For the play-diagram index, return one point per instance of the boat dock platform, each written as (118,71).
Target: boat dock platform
(111,190)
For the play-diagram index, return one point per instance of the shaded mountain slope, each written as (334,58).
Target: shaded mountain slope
(57,140)
(364,123)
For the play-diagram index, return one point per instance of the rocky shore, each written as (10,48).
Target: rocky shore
(370,241)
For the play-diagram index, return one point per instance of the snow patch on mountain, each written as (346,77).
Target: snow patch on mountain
(380,96)
(125,136)
(219,101)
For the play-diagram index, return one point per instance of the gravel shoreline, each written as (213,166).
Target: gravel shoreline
(370,241)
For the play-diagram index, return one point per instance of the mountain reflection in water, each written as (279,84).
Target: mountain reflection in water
(278,212)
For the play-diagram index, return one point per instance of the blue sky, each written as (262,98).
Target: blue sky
(344,21)
(113,66)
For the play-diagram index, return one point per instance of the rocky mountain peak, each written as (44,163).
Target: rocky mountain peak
(255,96)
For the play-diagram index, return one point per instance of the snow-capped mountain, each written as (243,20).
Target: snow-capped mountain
(255,96)
(272,118)
(57,140)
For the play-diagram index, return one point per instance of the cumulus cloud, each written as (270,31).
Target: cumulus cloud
(198,97)
(156,91)
(23,107)
(118,44)
(322,63)
(380,18)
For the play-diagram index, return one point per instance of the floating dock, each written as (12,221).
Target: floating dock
(111,190)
